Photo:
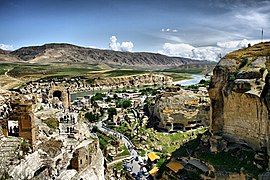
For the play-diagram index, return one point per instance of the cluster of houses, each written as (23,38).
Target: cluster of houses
(177,168)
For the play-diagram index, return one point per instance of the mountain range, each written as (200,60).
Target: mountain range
(68,53)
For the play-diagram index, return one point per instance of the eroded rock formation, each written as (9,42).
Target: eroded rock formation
(137,81)
(182,110)
(239,93)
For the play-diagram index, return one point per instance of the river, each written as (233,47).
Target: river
(196,78)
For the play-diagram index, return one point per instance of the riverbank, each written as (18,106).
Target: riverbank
(196,78)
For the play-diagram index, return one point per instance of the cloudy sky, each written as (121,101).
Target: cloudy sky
(200,29)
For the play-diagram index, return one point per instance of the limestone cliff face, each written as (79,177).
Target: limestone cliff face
(239,93)
(182,110)
(138,80)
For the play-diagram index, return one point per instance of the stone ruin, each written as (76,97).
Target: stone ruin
(59,94)
(17,119)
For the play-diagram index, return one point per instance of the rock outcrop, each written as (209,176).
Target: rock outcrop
(240,96)
(181,110)
(54,161)
(135,81)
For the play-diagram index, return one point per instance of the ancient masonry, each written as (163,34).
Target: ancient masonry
(61,93)
(23,114)
(82,156)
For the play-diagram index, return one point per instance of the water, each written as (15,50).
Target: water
(85,93)
(196,78)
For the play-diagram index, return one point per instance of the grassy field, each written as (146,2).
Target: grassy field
(39,71)
(186,71)
(19,73)
(178,76)
(124,72)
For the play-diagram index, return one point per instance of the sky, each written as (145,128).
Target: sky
(198,29)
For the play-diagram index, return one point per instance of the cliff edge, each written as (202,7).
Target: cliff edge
(240,96)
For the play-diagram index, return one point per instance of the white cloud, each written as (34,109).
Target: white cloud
(6,47)
(253,19)
(127,46)
(211,53)
(116,46)
(169,31)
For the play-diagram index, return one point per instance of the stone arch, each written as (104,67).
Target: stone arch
(61,93)
(58,94)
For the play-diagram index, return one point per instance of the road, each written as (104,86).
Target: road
(134,163)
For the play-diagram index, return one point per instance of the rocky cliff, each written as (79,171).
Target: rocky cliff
(133,81)
(53,160)
(74,54)
(182,110)
(239,93)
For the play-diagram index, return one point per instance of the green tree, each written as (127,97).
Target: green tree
(118,103)
(126,103)
(91,117)
(98,96)
(94,129)
(111,112)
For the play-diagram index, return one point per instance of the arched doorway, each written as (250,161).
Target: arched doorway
(58,94)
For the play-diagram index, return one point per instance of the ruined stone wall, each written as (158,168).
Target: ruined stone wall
(83,155)
(64,95)
(23,113)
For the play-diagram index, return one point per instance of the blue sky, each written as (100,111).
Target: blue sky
(191,28)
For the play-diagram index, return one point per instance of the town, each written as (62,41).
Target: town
(113,130)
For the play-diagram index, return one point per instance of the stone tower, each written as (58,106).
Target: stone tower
(26,122)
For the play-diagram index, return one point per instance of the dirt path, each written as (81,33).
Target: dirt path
(8,82)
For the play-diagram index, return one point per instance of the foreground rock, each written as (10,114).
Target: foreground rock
(239,93)
(38,145)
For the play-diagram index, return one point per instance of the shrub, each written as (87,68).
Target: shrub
(262,70)
(243,63)
(91,117)
(126,104)
(108,99)
(52,122)
(25,146)
(98,96)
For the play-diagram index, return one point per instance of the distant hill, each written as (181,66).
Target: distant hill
(67,53)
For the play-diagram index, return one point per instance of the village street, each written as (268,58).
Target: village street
(135,163)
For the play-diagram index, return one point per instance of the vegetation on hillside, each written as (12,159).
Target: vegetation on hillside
(261,49)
